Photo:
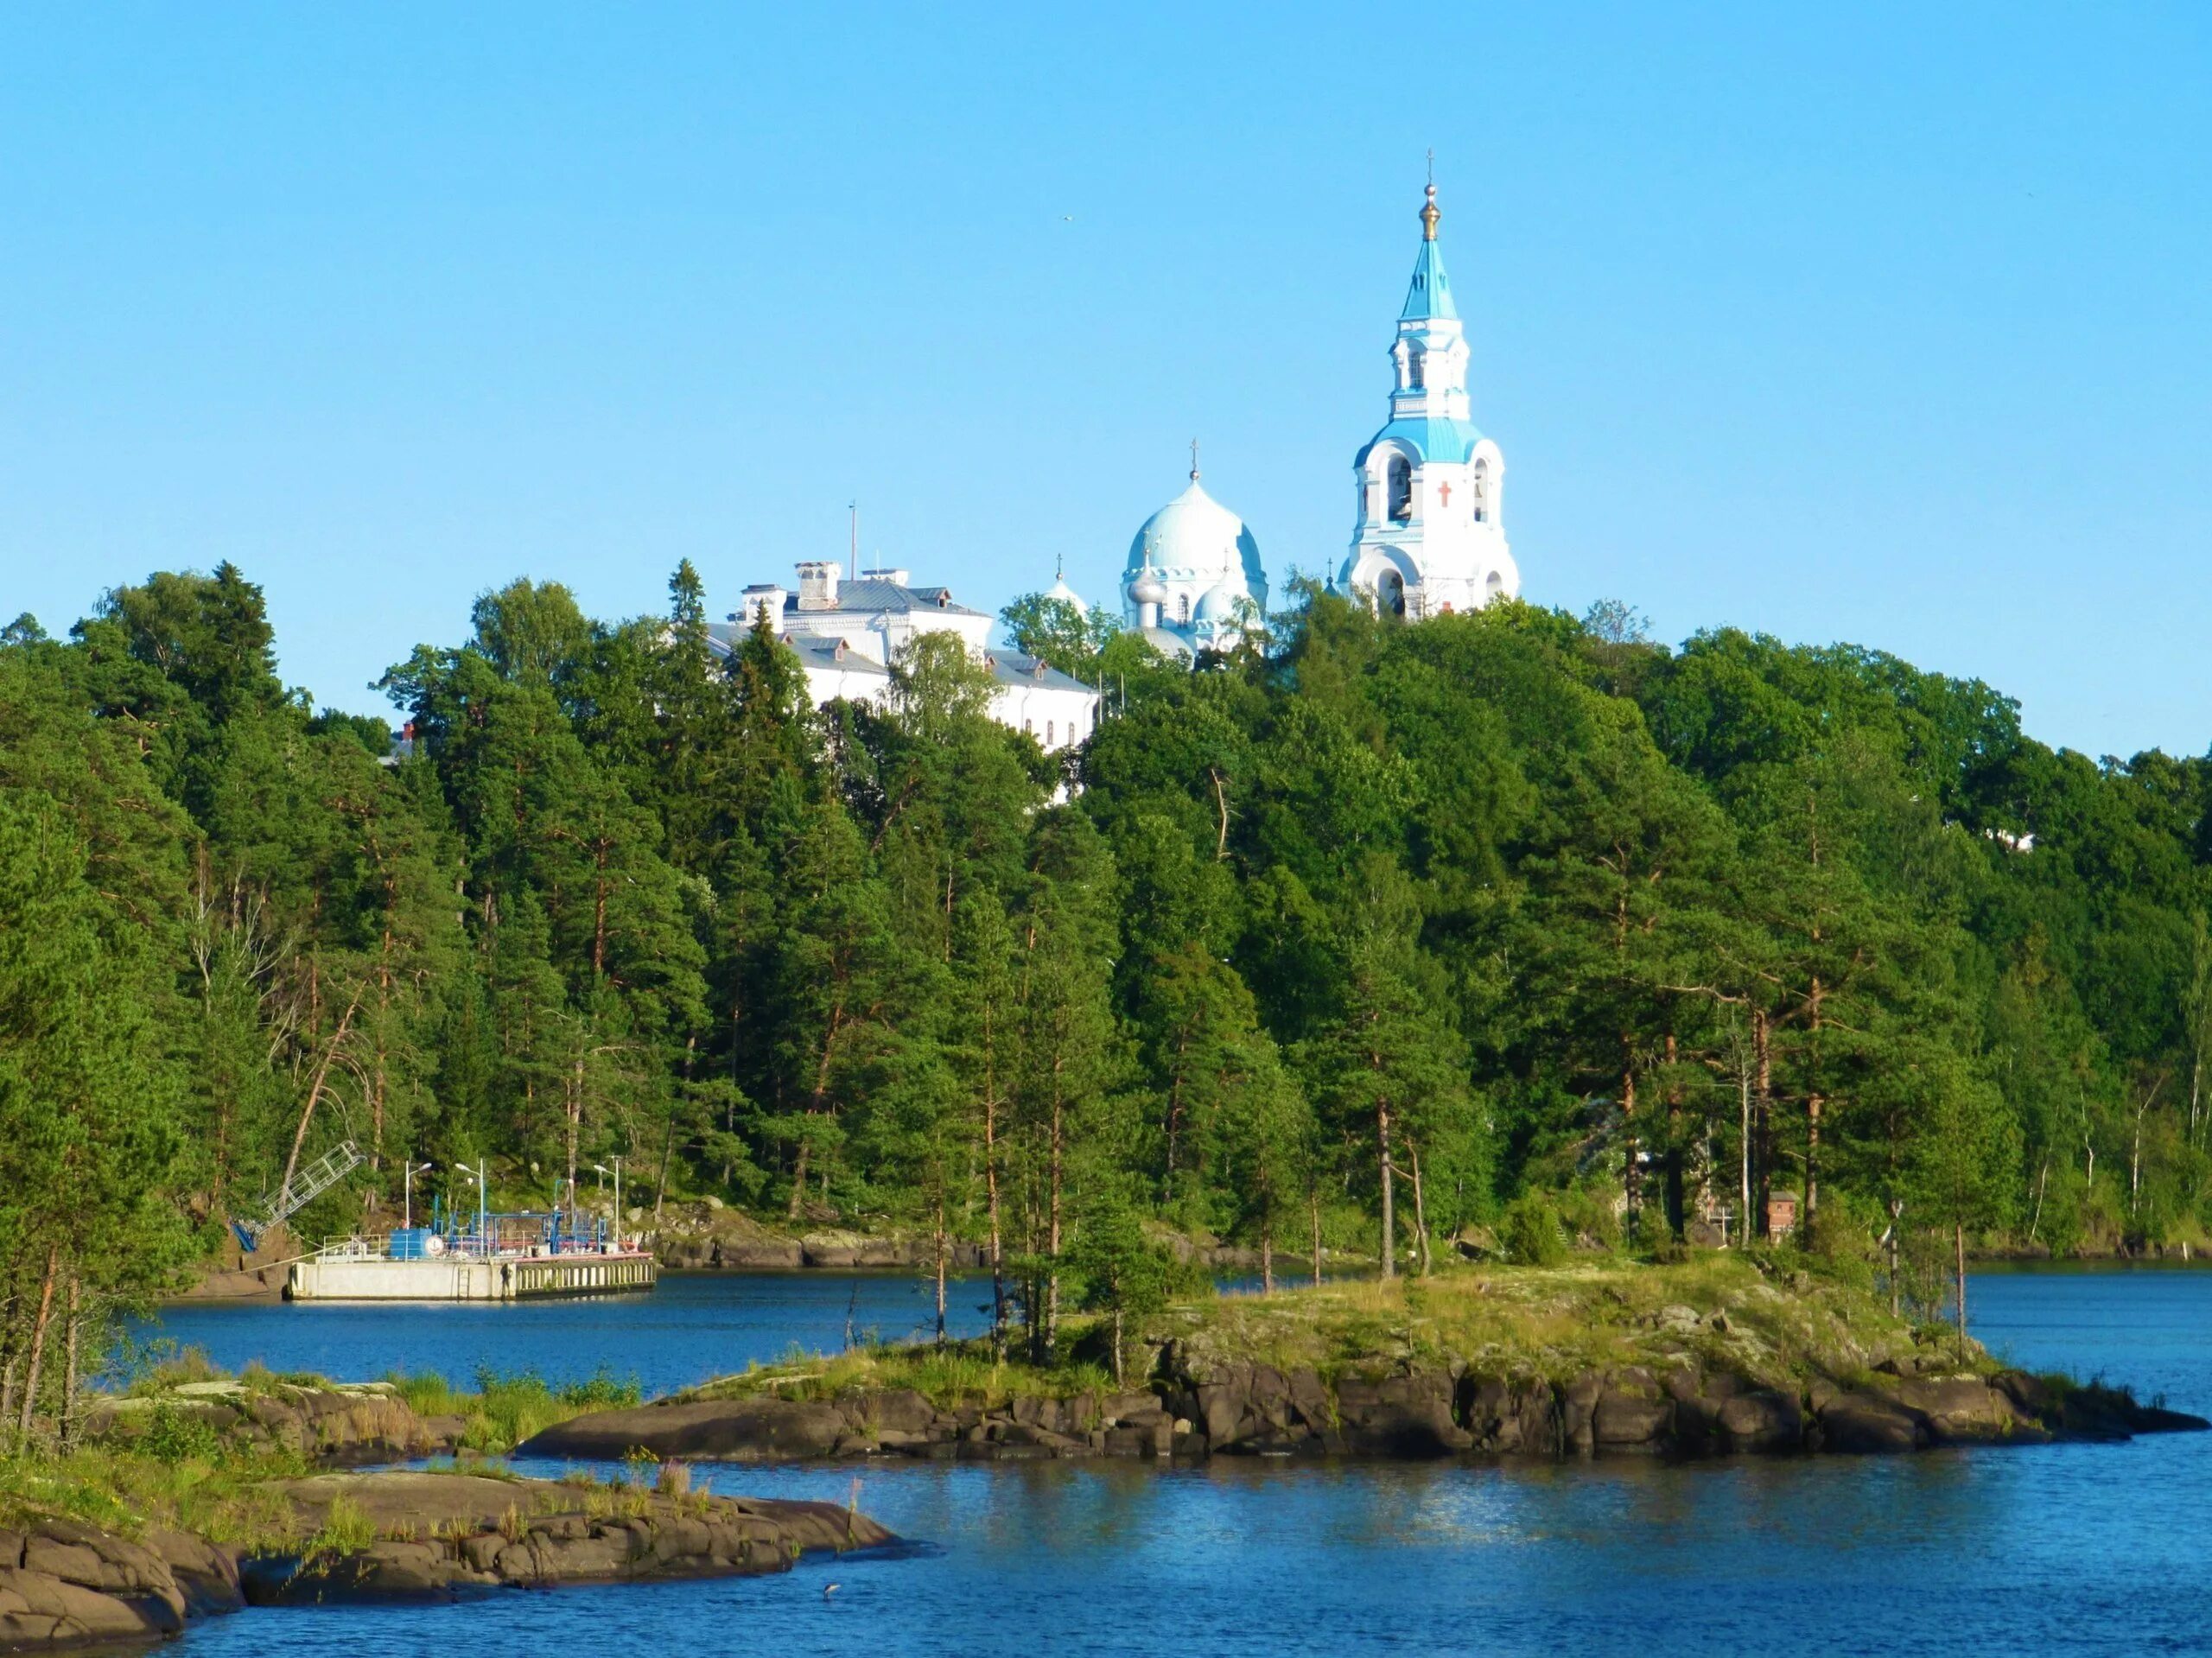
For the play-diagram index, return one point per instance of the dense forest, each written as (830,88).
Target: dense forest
(1502,928)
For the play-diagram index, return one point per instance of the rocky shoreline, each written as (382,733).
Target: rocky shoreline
(65,1584)
(1193,1411)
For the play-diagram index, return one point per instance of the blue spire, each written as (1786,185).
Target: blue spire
(1431,293)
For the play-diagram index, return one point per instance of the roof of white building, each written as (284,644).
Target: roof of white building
(1012,668)
(870,595)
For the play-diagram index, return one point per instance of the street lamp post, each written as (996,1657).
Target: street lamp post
(601,1168)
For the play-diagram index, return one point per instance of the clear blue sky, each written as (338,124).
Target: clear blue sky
(1886,323)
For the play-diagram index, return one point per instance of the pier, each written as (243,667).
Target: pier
(505,1257)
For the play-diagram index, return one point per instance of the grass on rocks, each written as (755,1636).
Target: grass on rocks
(202,1486)
(1767,1319)
(959,1372)
(1778,1319)
(175,1469)
(504,1410)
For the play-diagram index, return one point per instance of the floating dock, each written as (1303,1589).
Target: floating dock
(499,1258)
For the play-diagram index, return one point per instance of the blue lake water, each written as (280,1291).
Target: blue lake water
(2053,1549)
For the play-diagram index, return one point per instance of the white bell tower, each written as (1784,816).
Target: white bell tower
(1429,535)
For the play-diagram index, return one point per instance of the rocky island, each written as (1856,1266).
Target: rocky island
(207,1496)
(1718,1355)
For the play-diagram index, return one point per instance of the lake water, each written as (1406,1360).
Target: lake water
(2051,1549)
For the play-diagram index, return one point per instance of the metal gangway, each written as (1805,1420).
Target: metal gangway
(304,1187)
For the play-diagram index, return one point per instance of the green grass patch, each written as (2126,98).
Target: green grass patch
(1781,1319)
(504,1410)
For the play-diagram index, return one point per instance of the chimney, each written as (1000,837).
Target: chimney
(898,578)
(769,593)
(817,585)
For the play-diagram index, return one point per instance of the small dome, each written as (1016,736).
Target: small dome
(1171,645)
(1067,595)
(1147,588)
(1217,605)
(1196,533)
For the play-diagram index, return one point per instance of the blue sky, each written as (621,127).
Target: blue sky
(1885,323)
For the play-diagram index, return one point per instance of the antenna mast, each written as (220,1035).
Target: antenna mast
(855,509)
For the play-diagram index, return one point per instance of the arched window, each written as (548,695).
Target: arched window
(1048,734)
(1401,491)
(1027,729)
(1416,373)
(1183,609)
(1390,595)
(1482,491)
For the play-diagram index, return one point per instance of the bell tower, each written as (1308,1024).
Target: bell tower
(1427,536)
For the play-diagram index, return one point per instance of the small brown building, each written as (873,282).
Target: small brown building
(1781,1215)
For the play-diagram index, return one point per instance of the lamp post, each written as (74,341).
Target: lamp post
(602,1168)
(470,1175)
(407,1214)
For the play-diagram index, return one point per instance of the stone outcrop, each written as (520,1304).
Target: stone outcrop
(463,1533)
(1196,1408)
(336,1424)
(66,1585)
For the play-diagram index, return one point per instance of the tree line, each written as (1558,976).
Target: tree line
(1495,930)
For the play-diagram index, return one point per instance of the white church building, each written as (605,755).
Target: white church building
(1428,539)
(1194,581)
(846,633)
(1429,535)
(1428,531)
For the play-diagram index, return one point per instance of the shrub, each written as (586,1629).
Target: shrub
(603,1392)
(346,1529)
(172,1435)
(1531,1231)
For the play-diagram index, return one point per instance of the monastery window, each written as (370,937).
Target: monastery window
(1183,609)
(1401,490)
(1048,734)
(1028,729)
(1482,491)
(1416,373)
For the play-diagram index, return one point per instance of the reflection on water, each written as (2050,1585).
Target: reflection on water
(2069,1548)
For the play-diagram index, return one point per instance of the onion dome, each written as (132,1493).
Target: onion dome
(1196,535)
(1217,605)
(1066,594)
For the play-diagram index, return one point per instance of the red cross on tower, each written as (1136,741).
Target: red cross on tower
(1444,494)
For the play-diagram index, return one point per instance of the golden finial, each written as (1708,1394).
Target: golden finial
(1429,216)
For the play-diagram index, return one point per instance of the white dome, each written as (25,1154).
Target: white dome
(1217,605)
(1195,534)
(1147,588)
(1068,595)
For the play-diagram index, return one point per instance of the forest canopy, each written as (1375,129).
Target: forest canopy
(1495,930)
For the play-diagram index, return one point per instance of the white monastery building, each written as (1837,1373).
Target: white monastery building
(1429,537)
(846,634)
